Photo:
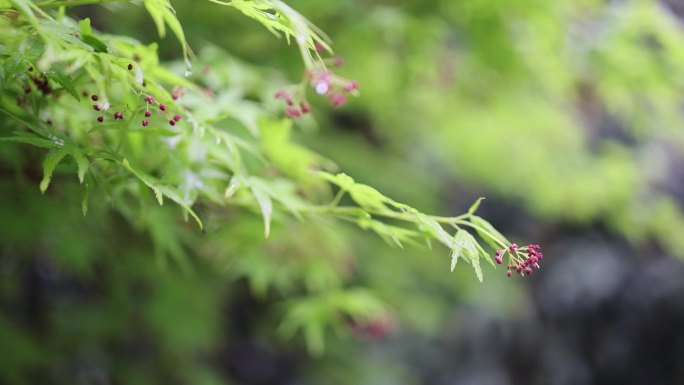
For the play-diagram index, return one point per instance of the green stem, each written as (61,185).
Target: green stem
(337,198)
(354,211)
(67,3)
(385,213)
(481,230)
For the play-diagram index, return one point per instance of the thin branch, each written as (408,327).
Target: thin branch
(384,213)
(481,230)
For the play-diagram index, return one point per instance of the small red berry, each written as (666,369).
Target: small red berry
(172,122)
(100,119)
(130,66)
(147,114)
(145,123)
(306,107)
(162,107)
(176,118)
(498,259)
(509,274)
(96,107)
(95,98)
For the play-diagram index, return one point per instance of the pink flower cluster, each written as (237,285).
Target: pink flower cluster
(332,86)
(324,82)
(522,260)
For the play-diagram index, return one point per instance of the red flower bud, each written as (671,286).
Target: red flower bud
(352,85)
(293,113)
(337,99)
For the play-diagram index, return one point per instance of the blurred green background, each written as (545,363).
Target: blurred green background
(566,115)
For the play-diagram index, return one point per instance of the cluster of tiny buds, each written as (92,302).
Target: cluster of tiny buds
(176,94)
(522,260)
(98,107)
(295,109)
(162,107)
(332,86)
(323,81)
(41,82)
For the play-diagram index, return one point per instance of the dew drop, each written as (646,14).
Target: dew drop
(322,88)
(56,140)
(173,141)
(139,76)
